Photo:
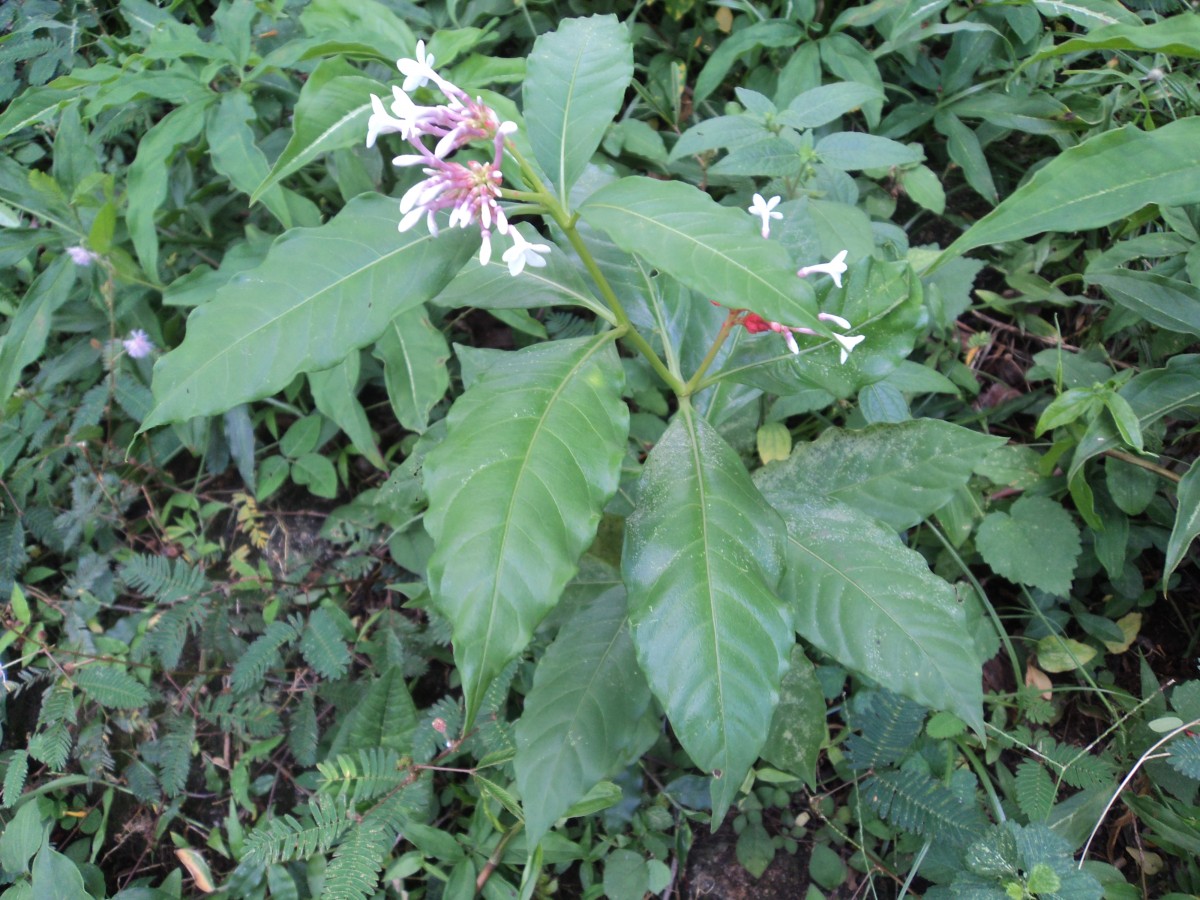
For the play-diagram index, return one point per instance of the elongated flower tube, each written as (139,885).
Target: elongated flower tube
(834,268)
(765,210)
(756,324)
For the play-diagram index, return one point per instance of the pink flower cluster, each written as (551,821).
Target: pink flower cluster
(470,191)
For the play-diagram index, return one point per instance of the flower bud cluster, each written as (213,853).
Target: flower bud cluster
(470,191)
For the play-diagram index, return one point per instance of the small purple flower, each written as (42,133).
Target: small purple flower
(82,256)
(138,344)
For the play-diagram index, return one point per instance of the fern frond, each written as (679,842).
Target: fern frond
(1074,766)
(358,860)
(561,324)
(372,773)
(323,647)
(1034,790)
(913,801)
(142,782)
(111,687)
(52,746)
(13,555)
(428,741)
(58,705)
(165,580)
(1184,758)
(890,726)
(302,732)
(169,631)
(285,839)
(251,666)
(175,756)
(14,776)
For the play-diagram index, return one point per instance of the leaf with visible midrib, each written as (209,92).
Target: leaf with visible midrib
(703,555)
(320,293)
(532,454)
(1092,184)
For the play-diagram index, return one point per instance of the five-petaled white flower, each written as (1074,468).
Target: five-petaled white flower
(523,253)
(765,210)
(834,268)
(138,344)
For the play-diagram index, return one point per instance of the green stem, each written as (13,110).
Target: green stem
(726,327)
(566,222)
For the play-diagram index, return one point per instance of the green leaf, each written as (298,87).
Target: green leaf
(23,834)
(1166,302)
(965,151)
(703,555)
(1089,13)
(798,729)
(850,150)
(1059,654)
(149,175)
(511,514)
(771,33)
(714,250)
(323,646)
(331,113)
(1176,36)
(899,474)
(319,294)
(56,877)
(335,392)
(755,850)
(1187,521)
(33,106)
(1092,184)
(821,105)
(385,717)
(925,189)
(111,687)
(574,86)
(1034,790)
(1036,543)
(316,472)
(579,723)
(25,339)
(414,356)
(873,605)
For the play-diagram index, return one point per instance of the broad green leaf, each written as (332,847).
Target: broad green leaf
(580,719)
(1176,36)
(771,33)
(1032,113)
(149,174)
(1187,521)
(316,472)
(1058,654)
(335,391)
(1036,543)
(28,329)
(111,687)
(770,157)
(798,729)
(714,250)
(717,132)
(850,61)
(702,558)
(1166,302)
(319,294)
(821,105)
(414,356)
(56,877)
(851,150)
(873,605)
(366,22)
(331,113)
(1092,184)
(923,186)
(898,474)
(1089,13)
(531,456)
(574,87)
(33,106)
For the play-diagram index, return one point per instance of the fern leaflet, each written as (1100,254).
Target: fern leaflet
(285,839)
(371,774)
(251,666)
(166,581)
(1185,756)
(913,801)
(1034,790)
(890,726)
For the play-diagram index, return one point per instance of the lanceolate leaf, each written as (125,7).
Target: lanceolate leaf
(873,605)
(1092,184)
(714,250)
(575,85)
(899,474)
(414,355)
(703,556)
(1176,36)
(532,455)
(1187,521)
(335,391)
(581,718)
(320,293)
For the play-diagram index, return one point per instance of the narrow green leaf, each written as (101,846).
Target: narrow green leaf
(1166,302)
(851,150)
(574,86)
(714,250)
(821,105)
(580,719)
(414,356)
(1187,521)
(1089,13)
(335,392)
(511,514)
(965,151)
(319,294)
(899,474)
(771,33)
(873,605)
(25,339)
(149,175)
(34,105)
(331,113)
(1176,36)
(702,558)
(1092,184)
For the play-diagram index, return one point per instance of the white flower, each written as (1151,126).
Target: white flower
(836,320)
(381,122)
(418,72)
(523,253)
(138,344)
(834,268)
(82,256)
(765,210)
(848,343)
